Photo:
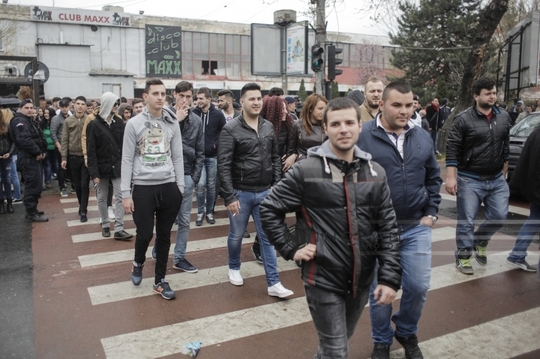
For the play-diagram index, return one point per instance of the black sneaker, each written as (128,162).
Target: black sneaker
(164,289)
(246,234)
(84,217)
(106,232)
(257,254)
(200,218)
(410,344)
(522,265)
(36,217)
(380,351)
(154,253)
(480,253)
(122,236)
(136,273)
(184,265)
(210,219)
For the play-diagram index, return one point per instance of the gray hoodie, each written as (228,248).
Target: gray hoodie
(325,152)
(152,152)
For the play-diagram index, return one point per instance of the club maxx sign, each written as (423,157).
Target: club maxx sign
(79,16)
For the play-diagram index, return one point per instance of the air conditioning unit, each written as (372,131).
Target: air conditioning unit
(284,17)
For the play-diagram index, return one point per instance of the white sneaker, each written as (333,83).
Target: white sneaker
(110,212)
(235,277)
(278,290)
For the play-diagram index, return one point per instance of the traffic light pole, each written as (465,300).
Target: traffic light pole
(320,38)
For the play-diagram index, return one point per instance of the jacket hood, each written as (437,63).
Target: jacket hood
(357,97)
(107,103)
(325,152)
(168,115)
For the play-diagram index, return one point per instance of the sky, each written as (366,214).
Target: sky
(343,17)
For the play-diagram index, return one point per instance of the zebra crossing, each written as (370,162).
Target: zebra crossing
(113,291)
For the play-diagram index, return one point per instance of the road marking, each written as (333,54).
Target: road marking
(95,209)
(126,290)
(96,236)
(90,260)
(502,338)
(211,330)
(252,321)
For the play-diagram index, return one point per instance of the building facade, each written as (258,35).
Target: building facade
(89,52)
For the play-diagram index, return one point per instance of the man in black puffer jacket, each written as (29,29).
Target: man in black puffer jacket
(345,223)
(249,165)
(477,152)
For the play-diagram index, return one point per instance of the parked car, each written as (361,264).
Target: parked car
(518,135)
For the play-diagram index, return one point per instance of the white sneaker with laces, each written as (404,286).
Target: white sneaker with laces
(110,212)
(278,290)
(235,277)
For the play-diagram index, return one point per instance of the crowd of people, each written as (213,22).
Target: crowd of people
(360,173)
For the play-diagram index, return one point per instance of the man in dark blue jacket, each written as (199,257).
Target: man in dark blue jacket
(213,121)
(32,147)
(406,153)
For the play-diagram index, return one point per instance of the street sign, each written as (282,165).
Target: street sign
(42,74)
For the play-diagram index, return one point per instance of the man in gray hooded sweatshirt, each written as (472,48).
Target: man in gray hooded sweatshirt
(152,159)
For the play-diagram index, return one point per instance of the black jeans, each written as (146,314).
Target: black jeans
(335,317)
(80,177)
(164,202)
(32,172)
(61,175)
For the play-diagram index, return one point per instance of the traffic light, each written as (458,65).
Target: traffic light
(333,62)
(317,58)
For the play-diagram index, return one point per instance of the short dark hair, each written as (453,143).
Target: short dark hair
(399,86)
(205,91)
(226,93)
(481,84)
(64,102)
(169,99)
(151,82)
(82,98)
(183,86)
(250,86)
(56,98)
(276,91)
(341,103)
(123,99)
(136,100)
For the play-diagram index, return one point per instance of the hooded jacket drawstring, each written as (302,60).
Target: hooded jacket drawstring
(326,166)
(371,170)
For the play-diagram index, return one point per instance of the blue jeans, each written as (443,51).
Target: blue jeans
(335,318)
(5,181)
(206,188)
(415,251)
(50,165)
(526,234)
(183,220)
(470,195)
(15,178)
(249,205)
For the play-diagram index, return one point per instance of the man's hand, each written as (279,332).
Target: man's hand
(451,185)
(386,295)
(96,181)
(234,208)
(182,112)
(63,164)
(59,146)
(426,221)
(5,156)
(128,205)
(306,253)
(40,157)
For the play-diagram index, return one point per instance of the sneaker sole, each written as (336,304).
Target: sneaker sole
(163,296)
(466,271)
(282,295)
(236,283)
(521,266)
(198,224)
(185,270)
(123,238)
(479,261)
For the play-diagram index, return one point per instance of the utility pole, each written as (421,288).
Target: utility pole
(320,38)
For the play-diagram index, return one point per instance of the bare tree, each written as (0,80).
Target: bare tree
(369,59)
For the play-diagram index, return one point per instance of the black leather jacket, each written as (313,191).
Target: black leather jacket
(247,160)
(476,146)
(346,211)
